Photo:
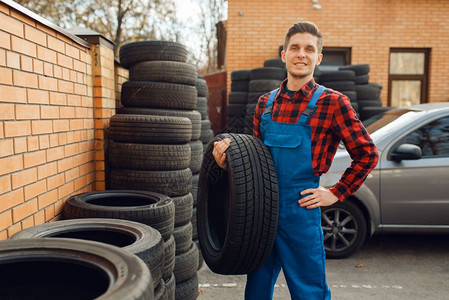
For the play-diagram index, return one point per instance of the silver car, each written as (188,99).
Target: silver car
(408,191)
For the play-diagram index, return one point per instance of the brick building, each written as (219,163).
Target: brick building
(403,41)
(57,93)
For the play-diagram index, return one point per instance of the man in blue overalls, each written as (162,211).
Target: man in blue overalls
(302,124)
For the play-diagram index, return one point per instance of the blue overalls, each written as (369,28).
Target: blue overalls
(298,245)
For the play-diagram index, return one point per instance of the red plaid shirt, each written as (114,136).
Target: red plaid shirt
(333,121)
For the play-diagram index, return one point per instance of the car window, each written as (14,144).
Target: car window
(432,138)
(380,120)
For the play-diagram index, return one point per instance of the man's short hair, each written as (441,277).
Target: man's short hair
(304,27)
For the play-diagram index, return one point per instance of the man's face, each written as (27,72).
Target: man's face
(301,55)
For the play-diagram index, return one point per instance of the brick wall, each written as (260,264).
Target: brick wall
(370,27)
(56,97)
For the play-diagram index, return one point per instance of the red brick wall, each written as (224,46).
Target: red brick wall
(370,27)
(56,98)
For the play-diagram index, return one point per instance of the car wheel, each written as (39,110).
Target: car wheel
(344,229)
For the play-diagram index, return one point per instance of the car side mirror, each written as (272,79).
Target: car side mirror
(406,152)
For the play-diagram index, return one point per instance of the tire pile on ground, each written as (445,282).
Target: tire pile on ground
(198,148)
(262,81)
(277,61)
(136,221)
(243,98)
(65,268)
(343,81)
(368,94)
(246,88)
(207,134)
(152,140)
(139,239)
(237,101)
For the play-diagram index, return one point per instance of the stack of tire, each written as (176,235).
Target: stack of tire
(52,268)
(207,134)
(262,81)
(342,81)
(197,149)
(121,219)
(237,101)
(152,136)
(368,94)
(275,62)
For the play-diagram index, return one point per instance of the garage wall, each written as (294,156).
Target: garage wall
(255,29)
(57,93)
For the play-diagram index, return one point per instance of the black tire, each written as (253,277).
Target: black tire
(170,288)
(194,225)
(153,209)
(186,264)
(236,110)
(151,50)
(203,108)
(340,85)
(164,71)
(149,157)
(355,106)
(136,238)
(249,118)
(159,291)
(358,69)
(158,95)
(361,79)
(240,75)
(238,98)
(53,268)
(250,110)
(202,88)
(236,231)
(169,262)
(235,124)
(369,103)
(126,128)
(268,73)
(196,159)
(200,256)
(367,92)
(352,95)
(183,238)
(187,290)
(171,183)
(205,127)
(375,85)
(345,75)
(263,85)
(368,112)
(183,209)
(342,239)
(195,179)
(193,115)
(274,62)
(206,137)
(239,85)
(254,97)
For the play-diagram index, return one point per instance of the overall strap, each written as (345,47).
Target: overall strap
(269,104)
(311,107)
